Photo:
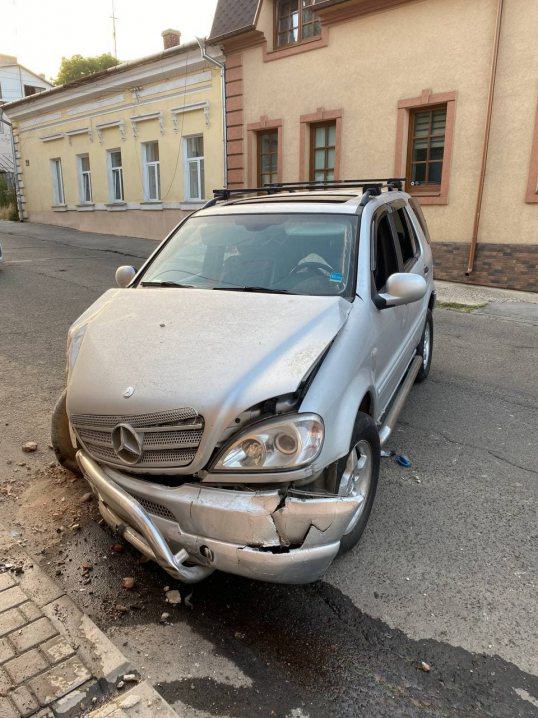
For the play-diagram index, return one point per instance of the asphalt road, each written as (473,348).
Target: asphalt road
(446,573)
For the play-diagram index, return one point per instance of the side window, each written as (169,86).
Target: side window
(405,238)
(386,259)
(417,209)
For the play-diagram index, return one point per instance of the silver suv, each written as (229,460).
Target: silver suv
(228,403)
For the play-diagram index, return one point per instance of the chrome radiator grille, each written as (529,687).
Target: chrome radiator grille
(165,439)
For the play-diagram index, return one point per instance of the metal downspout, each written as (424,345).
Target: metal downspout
(222,66)
(493,77)
(16,174)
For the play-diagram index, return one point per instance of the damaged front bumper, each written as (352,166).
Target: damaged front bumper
(258,534)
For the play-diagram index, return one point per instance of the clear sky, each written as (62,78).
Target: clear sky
(40,32)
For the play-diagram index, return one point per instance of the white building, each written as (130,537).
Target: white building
(16,81)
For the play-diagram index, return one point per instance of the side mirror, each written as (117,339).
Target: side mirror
(401,289)
(124,276)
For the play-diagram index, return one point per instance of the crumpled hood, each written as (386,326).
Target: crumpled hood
(218,352)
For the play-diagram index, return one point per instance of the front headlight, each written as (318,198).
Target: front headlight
(287,442)
(74,342)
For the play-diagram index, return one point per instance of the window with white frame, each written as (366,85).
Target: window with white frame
(115,176)
(152,173)
(193,151)
(57,181)
(84,179)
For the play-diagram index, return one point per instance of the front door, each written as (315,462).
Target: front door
(390,324)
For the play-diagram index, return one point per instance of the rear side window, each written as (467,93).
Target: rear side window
(421,219)
(405,237)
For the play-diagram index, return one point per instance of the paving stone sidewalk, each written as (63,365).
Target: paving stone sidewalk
(54,661)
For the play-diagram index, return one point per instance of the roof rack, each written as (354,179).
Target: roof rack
(371,187)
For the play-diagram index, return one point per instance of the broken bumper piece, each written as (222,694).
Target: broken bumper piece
(257,534)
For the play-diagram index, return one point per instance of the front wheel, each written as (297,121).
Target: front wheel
(359,477)
(61,437)
(425,349)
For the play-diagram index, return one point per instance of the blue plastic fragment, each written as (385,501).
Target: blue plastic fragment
(403,461)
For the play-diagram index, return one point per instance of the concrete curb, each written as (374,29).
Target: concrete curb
(97,667)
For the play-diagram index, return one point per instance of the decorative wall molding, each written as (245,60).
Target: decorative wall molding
(144,118)
(51,138)
(178,83)
(79,131)
(120,124)
(115,100)
(130,106)
(45,118)
(204,105)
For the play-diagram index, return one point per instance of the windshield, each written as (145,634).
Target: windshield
(288,253)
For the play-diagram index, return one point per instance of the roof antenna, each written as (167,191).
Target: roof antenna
(114,18)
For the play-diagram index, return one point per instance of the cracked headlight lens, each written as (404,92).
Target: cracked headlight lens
(287,442)
(74,342)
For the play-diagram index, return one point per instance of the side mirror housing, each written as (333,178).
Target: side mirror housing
(124,276)
(402,288)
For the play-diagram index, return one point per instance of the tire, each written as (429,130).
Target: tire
(61,437)
(425,349)
(365,444)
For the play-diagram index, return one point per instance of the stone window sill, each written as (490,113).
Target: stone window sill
(89,207)
(116,206)
(151,205)
(59,208)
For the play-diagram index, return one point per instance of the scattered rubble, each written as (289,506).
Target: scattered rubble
(164,617)
(128,582)
(29,446)
(425,667)
(173,597)
(87,497)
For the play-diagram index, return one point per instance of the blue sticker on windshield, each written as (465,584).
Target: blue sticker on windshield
(336,277)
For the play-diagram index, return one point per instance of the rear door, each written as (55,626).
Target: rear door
(390,333)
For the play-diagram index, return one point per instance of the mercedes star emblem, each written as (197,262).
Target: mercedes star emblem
(127,444)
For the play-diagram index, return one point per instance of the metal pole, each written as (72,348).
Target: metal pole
(493,77)
(222,66)
(17,190)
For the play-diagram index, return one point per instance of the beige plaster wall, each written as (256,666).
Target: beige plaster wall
(131,223)
(505,215)
(374,61)
(35,156)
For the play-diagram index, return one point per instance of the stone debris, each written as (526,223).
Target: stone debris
(425,667)
(130,678)
(87,497)
(118,548)
(127,582)
(29,446)
(129,702)
(121,608)
(165,616)
(173,597)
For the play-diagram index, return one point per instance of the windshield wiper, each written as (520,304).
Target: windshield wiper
(261,290)
(167,284)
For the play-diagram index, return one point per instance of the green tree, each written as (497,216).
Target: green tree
(73,68)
